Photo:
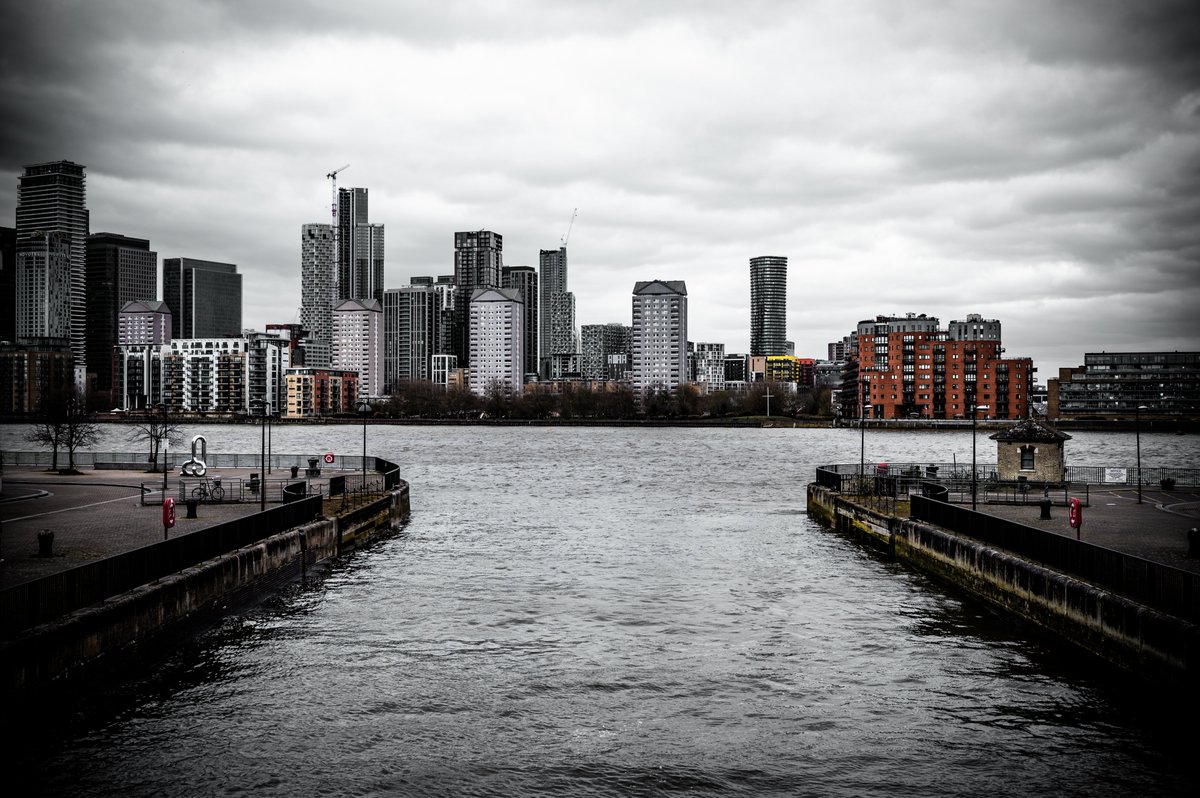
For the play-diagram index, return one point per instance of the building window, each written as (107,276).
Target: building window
(1027,459)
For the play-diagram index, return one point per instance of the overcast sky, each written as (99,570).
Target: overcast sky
(1036,162)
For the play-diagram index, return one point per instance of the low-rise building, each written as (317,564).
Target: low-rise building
(316,392)
(1117,384)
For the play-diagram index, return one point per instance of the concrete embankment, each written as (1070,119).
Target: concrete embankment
(1155,645)
(47,652)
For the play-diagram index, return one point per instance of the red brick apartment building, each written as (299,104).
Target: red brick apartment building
(922,373)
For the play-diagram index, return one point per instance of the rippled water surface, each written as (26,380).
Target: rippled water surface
(611,612)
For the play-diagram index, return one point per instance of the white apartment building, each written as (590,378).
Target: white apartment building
(358,343)
(496,332)
(659,348)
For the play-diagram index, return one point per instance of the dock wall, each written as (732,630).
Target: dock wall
(1155,645)
(53,650)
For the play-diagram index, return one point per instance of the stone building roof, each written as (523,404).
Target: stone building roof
(1028,430)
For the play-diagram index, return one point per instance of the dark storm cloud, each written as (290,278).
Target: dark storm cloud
(1034,161)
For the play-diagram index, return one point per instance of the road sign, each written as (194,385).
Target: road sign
(328,457)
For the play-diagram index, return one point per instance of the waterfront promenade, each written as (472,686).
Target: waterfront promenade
(99,513)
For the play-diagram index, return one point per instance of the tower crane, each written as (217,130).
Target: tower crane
(332,176)
(564,239)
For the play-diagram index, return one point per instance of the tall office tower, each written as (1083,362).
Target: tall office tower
(605,351)
(524,280)
(205,297)
(975,328)
(768,305)
(478,257)
(8,284)
(361,248)
(557,307)
(358,343)
(659,350)
(120,270)
(51,199)
(497,340)
(410,320)
(317,290)
(44,287)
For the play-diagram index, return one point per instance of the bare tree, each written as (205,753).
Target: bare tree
(64,423)
(155,430)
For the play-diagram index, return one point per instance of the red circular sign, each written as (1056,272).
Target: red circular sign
(328,457)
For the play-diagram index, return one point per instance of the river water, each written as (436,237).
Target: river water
(582,611)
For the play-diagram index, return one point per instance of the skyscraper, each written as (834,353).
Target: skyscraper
(659,356)
(8,284)
(317,291)
(524,280)
(361,248)
(768,305)
(44,287)
(478,256)
(120,270)
(205,297)
(557,307)
(410,322)
(51,199)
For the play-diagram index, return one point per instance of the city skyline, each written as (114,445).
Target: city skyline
(1033,163)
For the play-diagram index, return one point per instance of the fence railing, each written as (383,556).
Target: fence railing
(1162,587)
(175,459)
(38,601)
(899,483)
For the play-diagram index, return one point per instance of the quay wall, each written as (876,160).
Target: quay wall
(37,657)
(1155,645)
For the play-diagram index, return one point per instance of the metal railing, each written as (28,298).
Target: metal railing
(1162,587)
(38,601)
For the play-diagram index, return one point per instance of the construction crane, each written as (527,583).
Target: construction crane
(332,176)
(564,239)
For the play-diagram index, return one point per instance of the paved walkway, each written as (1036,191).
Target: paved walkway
(1156,529)
(99,513)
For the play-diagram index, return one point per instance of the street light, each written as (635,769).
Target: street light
(364,408)
(1137,426)
(165,441)
(260,405)
(270,413)
(862,431)
(974,422)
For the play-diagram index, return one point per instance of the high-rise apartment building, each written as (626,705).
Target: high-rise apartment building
(205,297)
(8,285)
(478,257)
(360,248)
(605,351)
(524,280)
(120,270)
(659,338)
(318,289)
(768,305)
(497,340)
(557,310)
(142,330)
(44,289)
(51,205)
(410,327)
(358,343)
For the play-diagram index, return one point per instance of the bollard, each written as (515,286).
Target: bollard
(1045,503)
(295,471)
(45,543)
(1194,542)
(191,507)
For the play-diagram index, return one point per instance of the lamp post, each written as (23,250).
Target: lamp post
(862,431)
(165,440)
(1137,426)
(974,423)
(260,405)
(270,413)
(364,408)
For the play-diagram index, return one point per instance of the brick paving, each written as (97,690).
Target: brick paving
(99,513)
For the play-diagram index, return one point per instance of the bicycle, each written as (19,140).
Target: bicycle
(204,492)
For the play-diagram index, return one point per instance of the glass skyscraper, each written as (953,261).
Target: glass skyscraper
(768,305)
(205,297)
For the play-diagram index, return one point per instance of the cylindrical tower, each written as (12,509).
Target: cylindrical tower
(768,305)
